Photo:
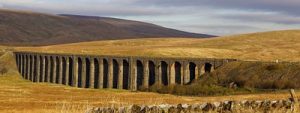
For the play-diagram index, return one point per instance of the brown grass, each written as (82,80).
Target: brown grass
(18,95)
(267,46)
(259,75)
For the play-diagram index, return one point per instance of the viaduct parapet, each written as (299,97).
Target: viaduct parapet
(132,73)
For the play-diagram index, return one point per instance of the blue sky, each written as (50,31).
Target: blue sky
(218,17)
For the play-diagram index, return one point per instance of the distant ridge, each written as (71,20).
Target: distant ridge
(29,28)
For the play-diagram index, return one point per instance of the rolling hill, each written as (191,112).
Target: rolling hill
(28,28)
(266,46)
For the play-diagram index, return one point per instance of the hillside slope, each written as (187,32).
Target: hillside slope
(267,46)
(259,75)
(28,28)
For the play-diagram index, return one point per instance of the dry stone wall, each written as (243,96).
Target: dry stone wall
(266,106)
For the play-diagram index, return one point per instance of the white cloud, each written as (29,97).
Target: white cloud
(19,1)
(202,16)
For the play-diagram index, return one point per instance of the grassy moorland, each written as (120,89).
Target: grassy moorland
(249,77)
(267,46)
(30,28)
(19,95)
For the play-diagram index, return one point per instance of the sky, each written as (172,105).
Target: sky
(216,17)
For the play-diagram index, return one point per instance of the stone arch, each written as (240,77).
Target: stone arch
(20,63)
(71,68)
(151,73)
(125,74)
(64,69)
(34,79)
(79,72)
(192,69)
(51,69)
(105,73)
(27,67)
(115,73)
(22,66)
(96,73)
(88,74)
(30,67)
(208,67)
(57,69)
(178,70)
(42,64)
(17,60)
(46,69)
(164,72)
(140,73)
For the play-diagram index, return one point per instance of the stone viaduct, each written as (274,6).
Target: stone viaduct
(128,72)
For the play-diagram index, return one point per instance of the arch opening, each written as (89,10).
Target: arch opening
(151,73)
(79,72)
(71,78)
(30,67)
(23,65)
(17,61)
(46,69)
(96,73)
(64,71)
(105,73)
(115,73)
(125,74)
(26,69)
(88,75)
(51,69)
(177,73)
(164,72)
(192,67)
(34,69)
(57,70)
(20,63)
(140,73)
(41,69)
(207,67)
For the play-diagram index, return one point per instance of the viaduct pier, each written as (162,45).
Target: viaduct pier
(119,72)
